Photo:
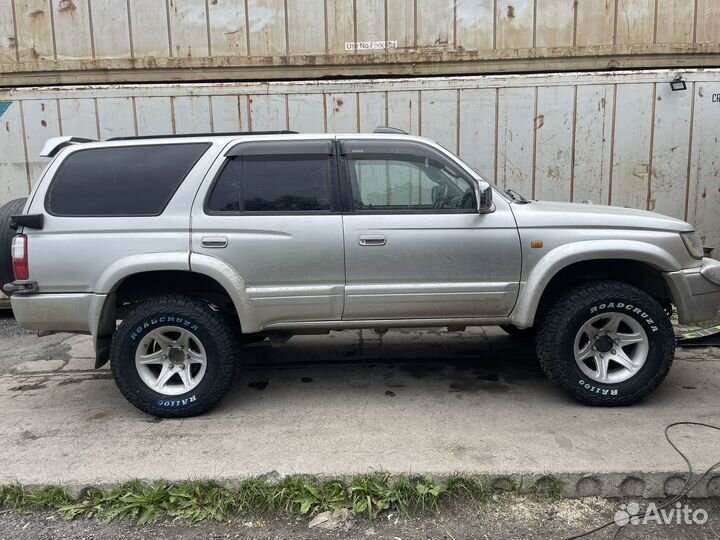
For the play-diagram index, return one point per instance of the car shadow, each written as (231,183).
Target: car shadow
(479,360)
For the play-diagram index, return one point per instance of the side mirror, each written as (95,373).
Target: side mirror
(485,202)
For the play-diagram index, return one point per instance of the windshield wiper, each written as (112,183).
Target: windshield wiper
(515,196)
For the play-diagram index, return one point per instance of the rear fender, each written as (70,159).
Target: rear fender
(102,311)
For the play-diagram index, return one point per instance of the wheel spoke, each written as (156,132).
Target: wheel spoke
(625,361)
(164,376)
(602,368)
(195,357)
(161,339)
(630,339)
(184,341)
(186,377)
(152,358)
(613,323)
(586,352)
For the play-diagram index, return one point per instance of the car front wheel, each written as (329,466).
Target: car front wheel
(606,343)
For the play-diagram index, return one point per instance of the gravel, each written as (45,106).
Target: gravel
(507,517)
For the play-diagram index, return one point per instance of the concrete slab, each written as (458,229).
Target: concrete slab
(38,366)
(427,402)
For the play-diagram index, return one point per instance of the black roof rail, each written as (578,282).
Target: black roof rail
(388,129)
(221,134)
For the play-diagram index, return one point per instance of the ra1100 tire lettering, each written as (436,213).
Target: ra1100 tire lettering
(591,388)
(182,402)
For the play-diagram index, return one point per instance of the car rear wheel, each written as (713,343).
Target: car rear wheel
(174,357)
(606,343)
(10,209)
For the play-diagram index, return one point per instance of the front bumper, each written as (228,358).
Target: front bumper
(696,291)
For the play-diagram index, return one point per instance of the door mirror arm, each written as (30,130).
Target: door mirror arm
(485,198)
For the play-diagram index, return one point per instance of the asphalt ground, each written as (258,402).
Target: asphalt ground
(415,401)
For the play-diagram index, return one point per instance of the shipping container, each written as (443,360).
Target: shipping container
(622,138)
(45,42)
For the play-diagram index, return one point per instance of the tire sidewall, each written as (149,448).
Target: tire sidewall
(126,372)
(653,322)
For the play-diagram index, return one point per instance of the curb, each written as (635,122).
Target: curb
(639,485)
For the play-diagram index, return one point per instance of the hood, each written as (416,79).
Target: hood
(572,215)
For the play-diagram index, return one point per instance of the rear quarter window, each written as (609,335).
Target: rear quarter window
(121,181)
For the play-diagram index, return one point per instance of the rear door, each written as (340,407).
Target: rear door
(415,245)
(272,213)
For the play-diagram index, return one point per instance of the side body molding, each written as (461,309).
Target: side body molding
(231,281)
(523,316)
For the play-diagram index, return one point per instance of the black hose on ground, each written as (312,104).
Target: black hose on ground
(687,487)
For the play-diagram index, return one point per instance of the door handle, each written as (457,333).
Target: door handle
(372,240)
(214,241)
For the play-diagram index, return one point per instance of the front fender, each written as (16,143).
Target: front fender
(523,315)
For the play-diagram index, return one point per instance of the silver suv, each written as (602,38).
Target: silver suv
(175,251)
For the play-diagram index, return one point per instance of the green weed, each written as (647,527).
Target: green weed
(465,487)
(549,487)
(366,495)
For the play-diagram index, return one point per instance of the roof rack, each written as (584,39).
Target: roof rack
(388,129)
(188,135)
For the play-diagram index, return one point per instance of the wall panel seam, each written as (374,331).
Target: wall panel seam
(693,88)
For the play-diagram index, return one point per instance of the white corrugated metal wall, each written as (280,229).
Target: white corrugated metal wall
(614,138)
(90,41)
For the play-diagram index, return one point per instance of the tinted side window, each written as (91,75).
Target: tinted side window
(121,181)
(273,183)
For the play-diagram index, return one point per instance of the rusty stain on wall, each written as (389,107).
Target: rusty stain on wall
(66,5)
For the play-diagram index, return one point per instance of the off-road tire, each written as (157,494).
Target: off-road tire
(561,322)
(8,210)
(524,334)
(211,329)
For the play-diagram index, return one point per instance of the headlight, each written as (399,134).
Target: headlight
(693,244)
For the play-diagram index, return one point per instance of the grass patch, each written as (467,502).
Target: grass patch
(549,487)
(366,495)
(17,496)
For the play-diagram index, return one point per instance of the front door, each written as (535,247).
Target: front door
(415,245)
(272,213)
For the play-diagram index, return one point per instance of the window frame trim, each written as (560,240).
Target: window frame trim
(334,191)
(48,190)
